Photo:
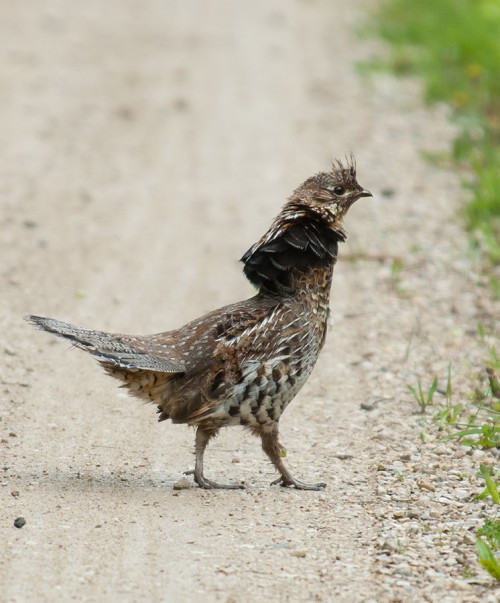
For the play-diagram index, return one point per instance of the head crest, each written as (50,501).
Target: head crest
(347,169)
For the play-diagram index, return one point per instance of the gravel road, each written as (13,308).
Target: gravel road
(145,146)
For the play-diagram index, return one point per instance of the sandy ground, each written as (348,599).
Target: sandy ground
(144,147)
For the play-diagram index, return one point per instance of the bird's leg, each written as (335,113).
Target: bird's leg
(202,438)
(273,448)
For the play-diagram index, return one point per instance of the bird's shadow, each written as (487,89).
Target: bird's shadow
(104,480)
(110,481)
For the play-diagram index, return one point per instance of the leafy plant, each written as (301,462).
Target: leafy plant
(491,529)
(424,399)
(488,435)
(483,428)
(491,488)
(487,558)
(488,541)
(491,533)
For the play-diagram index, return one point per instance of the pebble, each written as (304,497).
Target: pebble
(425,485)
(299,553)
(461,493)
(442,450)
(344,456)
(445,500)
(398,467)
(19,522)
(479,455)
(183,484)
(391,544)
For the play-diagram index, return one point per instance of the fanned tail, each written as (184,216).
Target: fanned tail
(118,350)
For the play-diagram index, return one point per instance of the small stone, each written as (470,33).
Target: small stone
(479,455)
(426,437)
(19,522)
(399,514)
(397,467)
(391,544)
(12,435)
(442,450)
(15,493)
(183,484)
(235,459)
(423,485)
(405,457)
(298,553)
(344,456)
(461,493)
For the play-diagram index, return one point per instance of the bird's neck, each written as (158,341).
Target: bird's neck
(296,256)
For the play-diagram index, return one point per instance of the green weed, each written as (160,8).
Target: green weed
(487,558)
(491,533)
(488,541)
(481,429)
(424,399)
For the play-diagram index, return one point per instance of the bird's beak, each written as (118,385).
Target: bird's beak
(364,193)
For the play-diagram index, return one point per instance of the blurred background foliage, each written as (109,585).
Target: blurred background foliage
(454,45)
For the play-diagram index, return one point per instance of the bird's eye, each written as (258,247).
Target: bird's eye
(339,190)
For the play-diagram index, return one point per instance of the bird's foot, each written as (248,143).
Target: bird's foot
(287,481)
(209,484)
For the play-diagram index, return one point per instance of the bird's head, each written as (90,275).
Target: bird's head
(306,232)
(330,194)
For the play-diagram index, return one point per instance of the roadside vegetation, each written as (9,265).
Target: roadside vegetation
(475,423)
(454,46)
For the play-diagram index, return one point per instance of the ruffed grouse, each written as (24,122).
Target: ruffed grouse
(242,364)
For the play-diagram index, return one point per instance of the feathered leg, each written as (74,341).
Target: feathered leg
(203,436)
(272,448)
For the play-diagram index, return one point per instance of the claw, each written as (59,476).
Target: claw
(209,484)
(286,482)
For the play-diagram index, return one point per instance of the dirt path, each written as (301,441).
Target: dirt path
(145,146)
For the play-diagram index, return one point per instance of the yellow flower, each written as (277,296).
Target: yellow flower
(474,70)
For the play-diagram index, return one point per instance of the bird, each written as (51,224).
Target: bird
(242,364)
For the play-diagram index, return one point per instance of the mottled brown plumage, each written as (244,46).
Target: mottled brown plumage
(242,364)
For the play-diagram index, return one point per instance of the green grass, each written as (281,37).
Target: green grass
(488,541)
(454,45)
(478,420)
